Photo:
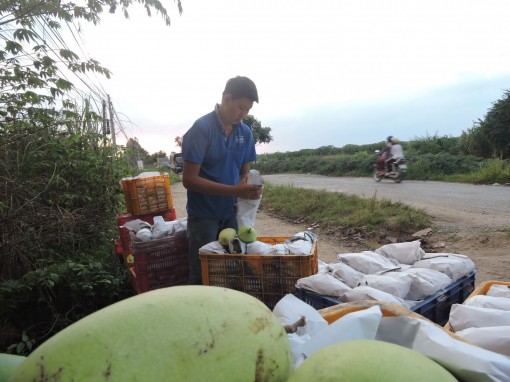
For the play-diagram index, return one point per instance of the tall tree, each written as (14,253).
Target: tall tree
(260,134)
(36,60)
(490,137)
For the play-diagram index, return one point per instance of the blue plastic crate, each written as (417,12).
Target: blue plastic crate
(435,307)
(318,301)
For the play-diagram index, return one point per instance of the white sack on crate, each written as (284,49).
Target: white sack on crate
(425,282)
(368,262)
(394,283)
(323,283)
(464,316)
(368,293)
(501,303)
(498,290)
(493,338)
(247,208)
(345,273)
(404,253)
(163,228)
(454,265)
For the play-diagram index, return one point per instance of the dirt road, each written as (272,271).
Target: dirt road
(472,207)
(467,219)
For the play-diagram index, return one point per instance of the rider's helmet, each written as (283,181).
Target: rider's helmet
(389,138)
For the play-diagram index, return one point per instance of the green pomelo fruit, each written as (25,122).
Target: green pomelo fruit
(180,333)
(226,235)
(9,363)
(367,361)
(247,234)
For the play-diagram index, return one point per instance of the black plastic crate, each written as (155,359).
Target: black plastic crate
(435,307)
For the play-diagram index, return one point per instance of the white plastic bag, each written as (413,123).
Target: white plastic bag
(247,208)
(163,228)
(213,247)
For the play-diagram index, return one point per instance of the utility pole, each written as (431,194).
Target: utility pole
(105,123)
(112,126)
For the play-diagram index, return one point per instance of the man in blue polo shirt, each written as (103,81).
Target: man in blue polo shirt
(217,151)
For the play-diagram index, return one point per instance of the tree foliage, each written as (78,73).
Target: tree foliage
(36,61)
(260,134)
(490,137)
(60,176)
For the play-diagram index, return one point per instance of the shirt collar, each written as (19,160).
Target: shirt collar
(218,119)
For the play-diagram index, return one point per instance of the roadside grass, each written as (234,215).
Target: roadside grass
(333,209)
(490,172)
(336,210)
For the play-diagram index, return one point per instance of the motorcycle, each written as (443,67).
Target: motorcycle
(396,170)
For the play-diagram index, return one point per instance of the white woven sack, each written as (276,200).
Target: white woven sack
(396,285)
(345,273)
(499,290)
(323,283)
(464,316)
(369,293)
(425,282)
(405,253)
(501,303)
(368,262)
(454,265)
(493,338)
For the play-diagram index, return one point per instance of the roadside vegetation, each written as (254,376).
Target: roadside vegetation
(428,158)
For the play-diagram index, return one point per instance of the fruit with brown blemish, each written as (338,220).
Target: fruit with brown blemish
(181,333)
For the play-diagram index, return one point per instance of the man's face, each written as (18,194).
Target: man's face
(236,110)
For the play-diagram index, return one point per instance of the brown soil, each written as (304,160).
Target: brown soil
(488,247)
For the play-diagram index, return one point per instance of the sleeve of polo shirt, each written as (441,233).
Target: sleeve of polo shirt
(194,144)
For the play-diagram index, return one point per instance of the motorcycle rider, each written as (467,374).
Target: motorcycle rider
(384,156)
(396,152)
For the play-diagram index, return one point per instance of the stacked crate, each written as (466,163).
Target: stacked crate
(156,263)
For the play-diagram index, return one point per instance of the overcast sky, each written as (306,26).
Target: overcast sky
(328,72)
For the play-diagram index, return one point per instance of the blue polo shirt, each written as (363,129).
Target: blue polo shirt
(221,158)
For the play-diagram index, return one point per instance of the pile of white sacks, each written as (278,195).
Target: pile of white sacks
(399,273)
(484,320)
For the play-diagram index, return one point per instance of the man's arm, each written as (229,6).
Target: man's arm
(192,181)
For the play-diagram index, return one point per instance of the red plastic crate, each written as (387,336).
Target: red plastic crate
(134,283)
(125,239)
(161,262)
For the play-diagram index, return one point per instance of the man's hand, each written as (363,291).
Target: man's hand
(248,191)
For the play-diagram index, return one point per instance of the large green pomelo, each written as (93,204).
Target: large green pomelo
(182,333)
(367,361)
(9,363)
